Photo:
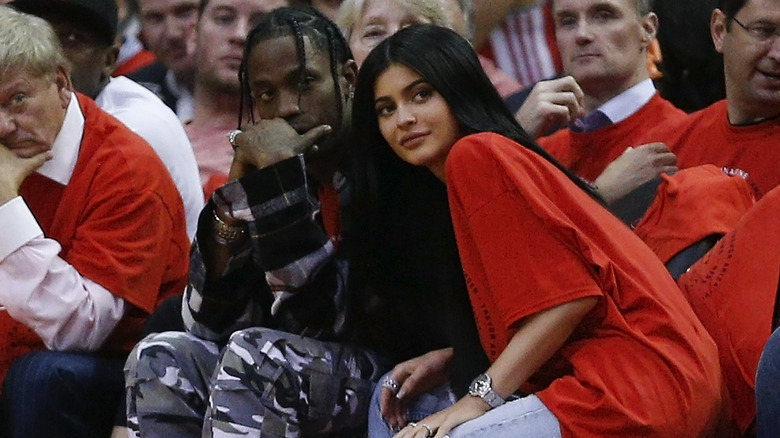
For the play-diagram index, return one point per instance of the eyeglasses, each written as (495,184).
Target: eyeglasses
(760,32)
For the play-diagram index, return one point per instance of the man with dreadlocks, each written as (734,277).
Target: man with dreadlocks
(270,348)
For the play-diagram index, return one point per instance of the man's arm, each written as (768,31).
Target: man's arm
(280,271)
(34,276)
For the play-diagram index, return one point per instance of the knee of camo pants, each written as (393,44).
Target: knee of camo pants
(167,380)
(271,383)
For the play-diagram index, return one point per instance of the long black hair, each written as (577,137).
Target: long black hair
(449,63)
(297,22)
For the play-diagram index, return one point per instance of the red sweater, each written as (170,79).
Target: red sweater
(589,153)
(707,137)
(120,222)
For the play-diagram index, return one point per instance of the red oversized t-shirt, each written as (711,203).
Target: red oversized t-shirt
(640,364)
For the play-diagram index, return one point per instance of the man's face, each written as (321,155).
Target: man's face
(92,59)
(32,110)
(167,29)
(221,34)
(603,42)
(751,65)
(275,84)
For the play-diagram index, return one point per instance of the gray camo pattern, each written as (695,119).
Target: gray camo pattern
(264,383)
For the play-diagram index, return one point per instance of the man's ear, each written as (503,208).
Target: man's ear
(64,85)
(349,75)
(718,29)
(110,56)
(649,28)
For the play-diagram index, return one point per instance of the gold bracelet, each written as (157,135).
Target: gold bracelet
(225,233)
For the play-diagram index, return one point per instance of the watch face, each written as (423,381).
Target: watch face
(480,386)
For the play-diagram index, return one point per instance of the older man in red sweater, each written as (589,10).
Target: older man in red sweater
(94,235)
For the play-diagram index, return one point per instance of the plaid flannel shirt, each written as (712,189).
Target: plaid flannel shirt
(287,276)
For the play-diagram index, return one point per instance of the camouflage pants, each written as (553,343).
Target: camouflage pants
(264,383)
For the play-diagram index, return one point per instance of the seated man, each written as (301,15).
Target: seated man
(272,347)
(608,100)
(166,30)
(87,31)
(98,236)
(741,132)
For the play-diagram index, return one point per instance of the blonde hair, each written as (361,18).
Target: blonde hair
(351,10)
(28,44)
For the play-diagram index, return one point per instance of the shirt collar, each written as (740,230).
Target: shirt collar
(66,145)
(625,104)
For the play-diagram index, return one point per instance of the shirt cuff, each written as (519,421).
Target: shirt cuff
(15,215)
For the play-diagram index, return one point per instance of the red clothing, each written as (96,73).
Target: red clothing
(640,364)
(589,153)
(707,137)
(120,222)
(691,205)
(138,61)
(733,289)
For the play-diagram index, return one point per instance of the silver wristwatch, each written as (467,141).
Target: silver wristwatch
(482,386)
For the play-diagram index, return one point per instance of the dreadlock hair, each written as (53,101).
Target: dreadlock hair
(298,23)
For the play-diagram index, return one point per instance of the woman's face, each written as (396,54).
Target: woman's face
(414,118)
(380,19)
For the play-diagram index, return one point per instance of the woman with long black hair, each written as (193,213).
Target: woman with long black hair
(586,332)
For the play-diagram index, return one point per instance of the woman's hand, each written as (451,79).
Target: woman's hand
(441,423)
(415,377)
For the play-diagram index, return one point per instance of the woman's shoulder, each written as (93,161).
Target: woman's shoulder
(486,146)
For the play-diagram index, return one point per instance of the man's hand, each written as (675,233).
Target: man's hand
(415,377)
(551,103)
(14,170)
(268,142)
(633,168)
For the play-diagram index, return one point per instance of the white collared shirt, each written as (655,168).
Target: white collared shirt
(145,114)
(625,104)
(37,287)
(185,102)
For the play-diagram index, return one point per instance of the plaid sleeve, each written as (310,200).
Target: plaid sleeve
(286,277)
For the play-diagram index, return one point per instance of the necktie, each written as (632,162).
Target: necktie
(591,122)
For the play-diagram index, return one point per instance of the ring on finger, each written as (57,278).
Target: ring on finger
(427,428)
(391,384)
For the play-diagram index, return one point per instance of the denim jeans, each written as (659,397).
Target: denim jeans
(526,417)
(768,389)
(57,394)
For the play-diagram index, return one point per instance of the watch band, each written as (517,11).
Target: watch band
(493,399)
(225,233)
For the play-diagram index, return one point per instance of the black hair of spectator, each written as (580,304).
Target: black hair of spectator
(449,63)
(692,69)
(299,23)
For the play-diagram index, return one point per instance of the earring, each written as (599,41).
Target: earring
(351,94)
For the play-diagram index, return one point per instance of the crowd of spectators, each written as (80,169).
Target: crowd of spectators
(412,218)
